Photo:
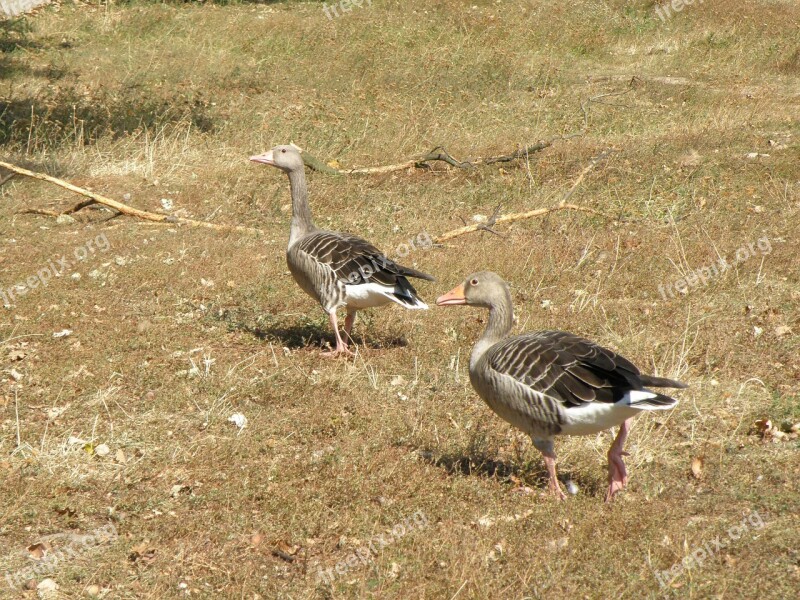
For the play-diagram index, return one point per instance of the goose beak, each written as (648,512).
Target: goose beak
(453,297)
(265,158)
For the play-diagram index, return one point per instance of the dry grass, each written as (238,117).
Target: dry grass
(175,329)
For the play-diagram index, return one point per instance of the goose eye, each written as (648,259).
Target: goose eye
(283,150)
(474,282)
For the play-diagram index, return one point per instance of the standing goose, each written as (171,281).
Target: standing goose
(337,269)
(551,382)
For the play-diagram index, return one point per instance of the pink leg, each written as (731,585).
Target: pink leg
(349,320)
(341,347)
(617,473)
(546,448)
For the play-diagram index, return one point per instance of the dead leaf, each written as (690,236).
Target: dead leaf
(394,570)
(180,488)
(692,159)
(783,330)
(142,552)
(37,551)
(697,467)
(769,432)
(16,355)
(763,425)
(285,550)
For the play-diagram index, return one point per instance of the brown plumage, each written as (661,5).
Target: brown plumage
(337,269)
(552,382)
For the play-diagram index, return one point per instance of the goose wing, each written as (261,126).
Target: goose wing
(565,367)
(354,260)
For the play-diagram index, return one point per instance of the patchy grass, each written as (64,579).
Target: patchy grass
(174,330)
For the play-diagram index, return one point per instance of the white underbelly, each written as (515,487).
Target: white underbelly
(367,295)
(594,417)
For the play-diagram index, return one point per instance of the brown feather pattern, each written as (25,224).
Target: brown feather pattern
(564,366)
(325,262)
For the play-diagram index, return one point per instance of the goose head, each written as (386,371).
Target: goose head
(286,158)
(486,289)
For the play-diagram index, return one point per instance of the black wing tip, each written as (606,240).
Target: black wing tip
(659,402)
(408,272)
(663,382)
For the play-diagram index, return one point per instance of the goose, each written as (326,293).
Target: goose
(337,269)
(550,383)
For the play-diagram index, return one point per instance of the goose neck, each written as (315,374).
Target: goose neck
(302,222)
(501,320)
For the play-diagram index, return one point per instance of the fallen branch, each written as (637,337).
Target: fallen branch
(436,154)
(516,217)
(509,218)
(122,208)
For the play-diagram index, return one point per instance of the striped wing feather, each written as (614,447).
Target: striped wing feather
(354,260)
(566,367)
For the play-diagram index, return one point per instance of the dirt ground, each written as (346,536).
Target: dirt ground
(126,346)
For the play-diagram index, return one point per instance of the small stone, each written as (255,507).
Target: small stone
(555,545)
(239,420)
(47,588)
(102,450)
(64,220)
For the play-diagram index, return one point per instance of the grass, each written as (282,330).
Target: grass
(174,330)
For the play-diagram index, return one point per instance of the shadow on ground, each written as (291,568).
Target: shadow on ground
(295,336)
(529,474)
(64,113)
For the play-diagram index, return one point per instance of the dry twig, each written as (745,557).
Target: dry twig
(122,208)
(496,220)
(437,154)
